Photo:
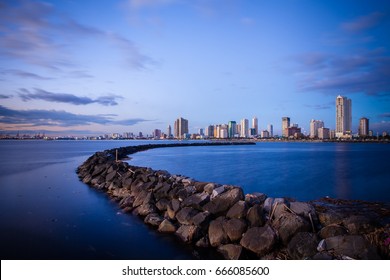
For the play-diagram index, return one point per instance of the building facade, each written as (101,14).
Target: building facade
(232,126)
(363,127)
(255,125)
(271,130)
(314,126)
(181,128)
(244,133)
(343,116)
(285,126)
(323,133)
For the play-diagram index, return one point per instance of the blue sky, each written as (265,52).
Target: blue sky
(92,67)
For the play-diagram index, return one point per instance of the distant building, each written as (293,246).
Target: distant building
(323,133)
(201,132)
(157,134)
(169,131)
(293,131)
(255,126)
(232,129)
(223,131)
(314,126)
(181,128)
(285,126)
(244,128)
(271,130)
(343,116)
(209,131)
(363,127)
(265,134)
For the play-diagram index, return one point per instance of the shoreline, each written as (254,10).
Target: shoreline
(237,225)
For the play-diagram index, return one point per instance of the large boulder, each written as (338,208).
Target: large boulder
(332,230)
(188,233)
(185,215)
(196,200)
(255,216)
(353,246)
(153,219)
(304,209)
(167,227)
(235,228)
(217,233)
(359,224)
(221,203)
(259,240)
(238,210)
(201,220)
(230,251)
(303,245)
(255,198)
(290,224)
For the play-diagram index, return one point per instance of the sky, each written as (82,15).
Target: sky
(111,66)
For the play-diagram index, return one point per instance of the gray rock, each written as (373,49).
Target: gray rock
(238,210)
(255,216)
(196,200)
(216,232)
(221,203)
(188,233)
(146,209)
(302,246)
(209,188)
(230,251)
(110,176)
(142,197)
(329,217)
(322,256)
(202,219)
(268,203)
(255,198)
(321,246)
(199,186)
(185,215)
(167,227)
(332,230)
(203,242)
(217,191)
(290,224)
(359,224)
(353,246)
(162,204)
(304,209)
(259,240)
(126,202)
(153,219)
(234,228)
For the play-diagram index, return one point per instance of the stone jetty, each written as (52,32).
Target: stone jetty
(237,225)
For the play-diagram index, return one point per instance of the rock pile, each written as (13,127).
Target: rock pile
(240,226)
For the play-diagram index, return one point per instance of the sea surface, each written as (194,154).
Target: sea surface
(47,213)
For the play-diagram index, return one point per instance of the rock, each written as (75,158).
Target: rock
(185,215)
(162,204)
(332,230)
(209,188)
(238,210)
(259,240)
(201,220)
(162,192)
(146,209)
(321,246)
(290,224)
(203,242)
(354,246)
(153,219)
(221,203)
(196,200)
(199,186)
(230,251)
(255,198)
(268,203)
(255,216)
(142,198)
(304,209)
(359,224)
(188,233)
(110,176)
(302,246)
(322,256)
(234,229)
(167,227)
(216,232)
(279,210)
(329,217)
(126,202)
(217,191)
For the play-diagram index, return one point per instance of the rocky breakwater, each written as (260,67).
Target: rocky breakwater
(239,226)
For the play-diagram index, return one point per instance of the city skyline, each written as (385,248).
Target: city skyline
(90,68)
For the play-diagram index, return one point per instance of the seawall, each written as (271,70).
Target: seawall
(238,225)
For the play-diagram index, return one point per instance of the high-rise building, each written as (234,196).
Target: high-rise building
(181,128)
(210,131)
(255,125)
(323,133)
(271,130)
(314,126)
(169,131)
(363,127)
(285,126)
(343,116)
(265,134)
(244,128)
(232,129)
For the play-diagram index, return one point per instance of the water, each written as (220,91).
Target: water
(303,171)
(47,213)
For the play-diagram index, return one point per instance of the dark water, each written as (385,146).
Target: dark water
(47,213)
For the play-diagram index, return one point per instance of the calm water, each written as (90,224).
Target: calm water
(46,213)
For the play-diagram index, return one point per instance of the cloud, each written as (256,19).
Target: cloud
(3,96)
(138,4)
(367,72)
(320,106)
(35,33)
(32,118)
(362,23)
(384,115)
(40,94)
(23,74)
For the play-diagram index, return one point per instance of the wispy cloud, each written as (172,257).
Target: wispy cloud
(367,72)
(319,106)
(23,74)
(58,118)
(385,115)
(35,33)
(138,4)
(362,23)
(3,96)
(40,94)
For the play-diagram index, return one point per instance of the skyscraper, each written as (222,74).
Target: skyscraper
(285,126)
(181,128)
(314,126)
(255,125)
(244,128)
(169,131)
(343,116)
(271,130)
(232,129)
(363,127)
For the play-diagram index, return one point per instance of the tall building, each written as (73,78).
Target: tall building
(285,126)
(363,127)
(255,125)
(169,131)
(323,133)
(271,130)
(210,131)
(232,129)
(314,126)
(181,128)
(244,128)
(343,116)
